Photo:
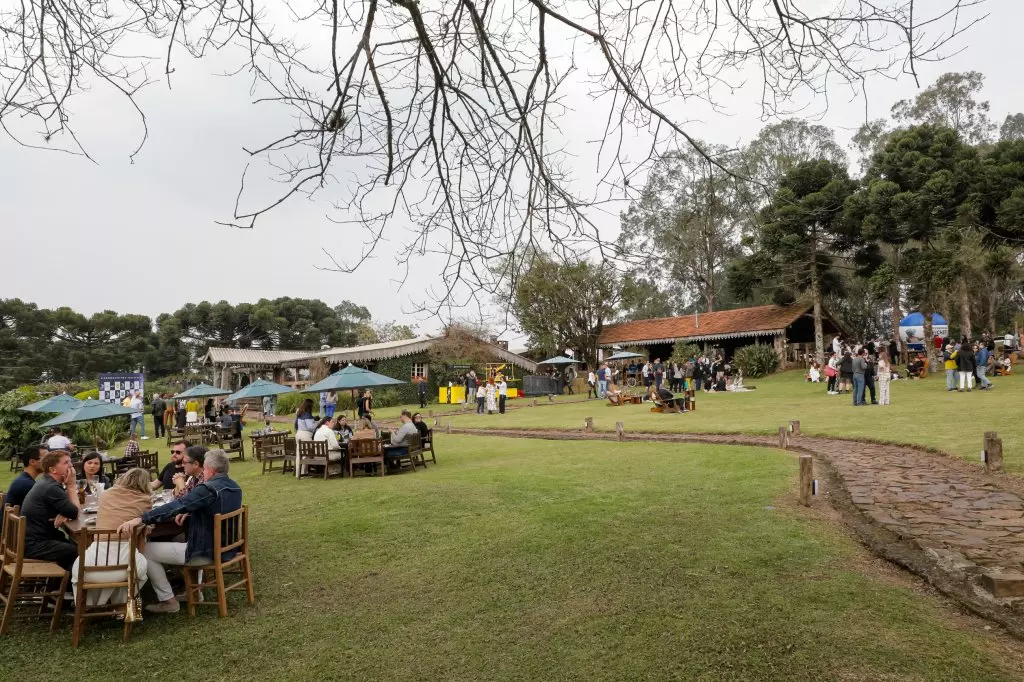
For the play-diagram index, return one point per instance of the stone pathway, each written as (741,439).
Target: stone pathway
(960,519)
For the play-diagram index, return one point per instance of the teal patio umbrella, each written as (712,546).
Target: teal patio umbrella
(559,360)
(58,403)
(260,388)
(89,410)
(625,355)
(203,391)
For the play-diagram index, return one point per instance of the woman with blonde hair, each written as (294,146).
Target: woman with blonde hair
(129,497)
(364,430)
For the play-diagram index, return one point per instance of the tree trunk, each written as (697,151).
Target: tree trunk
(896,317)
(929,342)
(819,336)
(993,301)
(965,310)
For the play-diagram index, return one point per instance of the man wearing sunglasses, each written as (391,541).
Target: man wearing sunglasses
(175,466)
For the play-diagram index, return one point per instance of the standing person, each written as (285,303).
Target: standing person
(845,371)
(503,395)
(894,352)
(471,384)
(659,372)
(323,403)
(602,380)
(869,377)
(949,364)
(837,346)
(491,393)
(169,415)
(364,405)
(965,365)
(832,373)
(698,372)
(158,407)
(330,405)
(884,377)
(981,366)
(138,415)
(210,412)
(591,384)
(481,397)
(645,372)
(421,391)
(570,376)
(859,365)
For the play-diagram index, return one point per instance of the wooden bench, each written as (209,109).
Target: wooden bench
(365,451)
(315,453)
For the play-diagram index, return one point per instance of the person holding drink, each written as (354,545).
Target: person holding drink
(93,479)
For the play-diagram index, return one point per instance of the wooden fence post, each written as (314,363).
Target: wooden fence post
(534,403)
(806,479)
(437,421)
(619,431)
(588,425)
(448,427)
(783,437)
(993,451)
(794,426)
(430,413)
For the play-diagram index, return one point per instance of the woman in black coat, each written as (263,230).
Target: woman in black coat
(966,365)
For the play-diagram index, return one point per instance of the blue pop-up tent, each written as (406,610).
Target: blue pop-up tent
(912,329)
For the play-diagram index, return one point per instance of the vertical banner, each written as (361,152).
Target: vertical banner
(116,385)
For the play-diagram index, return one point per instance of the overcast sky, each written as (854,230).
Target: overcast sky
(142,237)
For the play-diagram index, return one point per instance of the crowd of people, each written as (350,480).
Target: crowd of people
(866,370)
(51,491)
(707,372)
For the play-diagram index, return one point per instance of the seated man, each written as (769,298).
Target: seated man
(664,398)
(20,486)
(52,501)
(192,470)
(166,478)
(400,439)
(58,441)
(217,494)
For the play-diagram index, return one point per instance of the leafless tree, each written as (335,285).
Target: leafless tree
(435,123)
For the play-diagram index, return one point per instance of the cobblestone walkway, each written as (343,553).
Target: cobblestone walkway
(962,517)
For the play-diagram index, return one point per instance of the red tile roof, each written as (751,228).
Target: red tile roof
(762,320)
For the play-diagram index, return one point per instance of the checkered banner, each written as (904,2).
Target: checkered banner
(115,386)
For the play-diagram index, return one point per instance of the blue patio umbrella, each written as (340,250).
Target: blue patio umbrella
(58,403)
(203,391)
(260,388)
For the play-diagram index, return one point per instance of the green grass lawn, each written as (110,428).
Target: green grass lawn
(528,559)
(922,412)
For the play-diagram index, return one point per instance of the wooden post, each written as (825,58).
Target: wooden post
(806,479)
(783,437)
(437,421)
(588,425)
(794,427)
(430,413)
(619,431)
(551,397)
(993,451)
(534,403)
(448,427)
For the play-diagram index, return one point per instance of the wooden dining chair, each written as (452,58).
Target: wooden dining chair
(149,461)
(428,446)
(27,583)
(231,538)
(270,449)
(16,463)
(106,561)
(365,451)
(315,453)
(290,450)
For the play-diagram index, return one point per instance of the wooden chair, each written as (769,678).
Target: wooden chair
(16,464)
(193,435)
(288,461)
(124,464)
(270,449)
(407,456)
(230,534)
(104,549)
(428,446)
(149,461)
(315,453)
(365,451)
(27,583)
(614,399)
(232,445)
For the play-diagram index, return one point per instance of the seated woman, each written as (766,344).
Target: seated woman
(1004,367)
(915,367)
(662,397)
(325,432)
(421,425)
(364,430)
(814,373)
(129,498)
(92,474)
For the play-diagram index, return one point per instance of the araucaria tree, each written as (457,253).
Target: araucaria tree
(444,115)
(800,236)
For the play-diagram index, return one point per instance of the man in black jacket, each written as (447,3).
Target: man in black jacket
(158,407)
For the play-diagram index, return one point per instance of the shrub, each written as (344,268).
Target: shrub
(756,361)
(93,393)
(19,429)
(289,402)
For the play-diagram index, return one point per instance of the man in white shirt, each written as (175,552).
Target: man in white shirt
(58,441)
(502,395)
(138,417)
(592,384)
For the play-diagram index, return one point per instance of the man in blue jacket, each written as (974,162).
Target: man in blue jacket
(217,494)
(981,362)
